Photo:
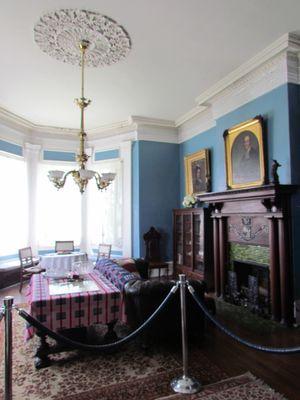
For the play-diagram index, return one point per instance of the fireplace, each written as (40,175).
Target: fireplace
(254,223)
(248,285)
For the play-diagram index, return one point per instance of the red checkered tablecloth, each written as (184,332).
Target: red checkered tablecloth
(74,310)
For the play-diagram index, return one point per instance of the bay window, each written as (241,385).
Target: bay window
(13,204)
(104,208)
(58,211)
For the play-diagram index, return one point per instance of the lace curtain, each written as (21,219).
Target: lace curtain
(13,205)
(105,208)
(58,211)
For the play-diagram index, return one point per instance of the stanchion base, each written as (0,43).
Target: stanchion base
(185,385)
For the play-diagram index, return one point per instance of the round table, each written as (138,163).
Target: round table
(60,264)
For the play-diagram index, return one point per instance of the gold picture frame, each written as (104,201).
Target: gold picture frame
(197,172)
(245,157)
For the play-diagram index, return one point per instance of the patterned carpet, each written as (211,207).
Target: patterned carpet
(128,374)
(243,387)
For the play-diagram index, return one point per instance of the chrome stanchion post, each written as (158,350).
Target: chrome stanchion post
(8,303)
(184,384)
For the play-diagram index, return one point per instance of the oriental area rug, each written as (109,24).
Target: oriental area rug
(130,373)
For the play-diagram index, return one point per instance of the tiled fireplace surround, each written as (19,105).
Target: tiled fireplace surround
(254,226)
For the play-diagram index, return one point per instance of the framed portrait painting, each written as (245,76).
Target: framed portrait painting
(197,172)
(244,148)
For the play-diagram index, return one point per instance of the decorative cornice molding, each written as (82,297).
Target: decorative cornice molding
(273,66)
(200,123)
(286,42)
(41,131)
(190,114)
(263,79)
(279,63)
(145,121)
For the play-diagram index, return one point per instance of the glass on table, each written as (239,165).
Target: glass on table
(82,267)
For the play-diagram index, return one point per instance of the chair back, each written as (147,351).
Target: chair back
(152,242)
(64,246)
(25,256)
(104,251)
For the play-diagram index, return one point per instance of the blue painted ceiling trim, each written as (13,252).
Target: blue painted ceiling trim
(51,155)
(11,148)
(106,155)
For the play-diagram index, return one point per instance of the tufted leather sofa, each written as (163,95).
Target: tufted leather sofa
(143,296)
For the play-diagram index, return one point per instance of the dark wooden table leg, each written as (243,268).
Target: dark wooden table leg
(41,359)
(111,335)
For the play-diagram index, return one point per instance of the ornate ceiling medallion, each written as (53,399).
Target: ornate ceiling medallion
(58,33)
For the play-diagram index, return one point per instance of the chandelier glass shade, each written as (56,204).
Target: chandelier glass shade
(82,175)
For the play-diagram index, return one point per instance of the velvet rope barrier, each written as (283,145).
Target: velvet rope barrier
(274,350)
(82,346)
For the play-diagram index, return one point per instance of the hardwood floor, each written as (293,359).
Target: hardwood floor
(282,372)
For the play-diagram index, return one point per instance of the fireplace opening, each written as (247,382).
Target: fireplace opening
(248,285)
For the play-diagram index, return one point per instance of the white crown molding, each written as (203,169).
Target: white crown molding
(283,43)
(273,66)
(201,122)
(276,65)
(133,123)
(111,143)
(262,80)
(145,121)
(190,114)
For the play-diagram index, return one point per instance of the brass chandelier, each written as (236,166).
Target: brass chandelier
(82,175)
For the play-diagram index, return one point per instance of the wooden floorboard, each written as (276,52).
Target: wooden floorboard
(282,372)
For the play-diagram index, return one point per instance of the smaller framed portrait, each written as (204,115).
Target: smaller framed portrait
(197,172)
(244,150)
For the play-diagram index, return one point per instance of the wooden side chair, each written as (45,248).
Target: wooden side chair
(29,265)
(104,251)
(152,242)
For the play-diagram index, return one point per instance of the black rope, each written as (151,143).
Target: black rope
(259,347)
(74,344)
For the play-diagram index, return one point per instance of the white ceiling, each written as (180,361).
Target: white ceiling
(179,49)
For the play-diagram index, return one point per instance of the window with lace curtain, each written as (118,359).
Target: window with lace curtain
(58,211)
(13,204)
(105,208)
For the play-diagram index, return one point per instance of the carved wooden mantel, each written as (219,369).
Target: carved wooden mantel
(259,216)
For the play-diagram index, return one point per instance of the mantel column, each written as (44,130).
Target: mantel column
(32,157)
(274,270)
(222,252)
(216,255)
(285,274)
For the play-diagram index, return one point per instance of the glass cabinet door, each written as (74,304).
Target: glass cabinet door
(198,250)
(179,239)
(187,240)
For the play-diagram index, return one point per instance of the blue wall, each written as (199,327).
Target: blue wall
(11,148)
(273,106)
(106,155)
(53,155)
(280,109)
(155,170)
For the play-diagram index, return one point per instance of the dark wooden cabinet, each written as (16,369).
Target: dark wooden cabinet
(193,243)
